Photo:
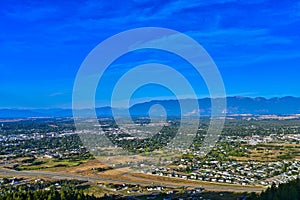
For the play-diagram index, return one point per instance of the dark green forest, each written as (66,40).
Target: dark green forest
(287,191)
(66,194)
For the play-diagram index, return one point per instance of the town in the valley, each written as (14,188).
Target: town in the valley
(252,153)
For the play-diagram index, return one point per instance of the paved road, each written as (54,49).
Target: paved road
(141,181)
(53,175)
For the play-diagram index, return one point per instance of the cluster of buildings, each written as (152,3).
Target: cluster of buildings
(35,145)
(257,139)
(242,173)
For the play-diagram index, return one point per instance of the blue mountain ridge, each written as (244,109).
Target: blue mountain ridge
(235,105)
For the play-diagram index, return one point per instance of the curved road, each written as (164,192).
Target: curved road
(94,180)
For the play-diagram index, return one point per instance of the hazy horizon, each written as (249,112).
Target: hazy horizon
(138,101)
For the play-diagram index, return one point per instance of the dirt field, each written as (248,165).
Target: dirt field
(125,175)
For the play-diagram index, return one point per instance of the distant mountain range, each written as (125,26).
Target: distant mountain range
(235,105)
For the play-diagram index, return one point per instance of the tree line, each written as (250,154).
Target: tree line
(287,191)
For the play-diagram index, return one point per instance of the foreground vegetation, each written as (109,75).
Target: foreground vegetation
(19,189)
(66,194)
(287,191)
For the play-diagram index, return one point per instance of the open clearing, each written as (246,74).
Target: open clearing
(86,171)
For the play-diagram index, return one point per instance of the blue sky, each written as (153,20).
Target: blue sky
(255,45)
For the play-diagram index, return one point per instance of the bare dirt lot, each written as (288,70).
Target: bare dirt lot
(86,171)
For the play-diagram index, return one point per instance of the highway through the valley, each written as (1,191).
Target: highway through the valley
(141,181)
